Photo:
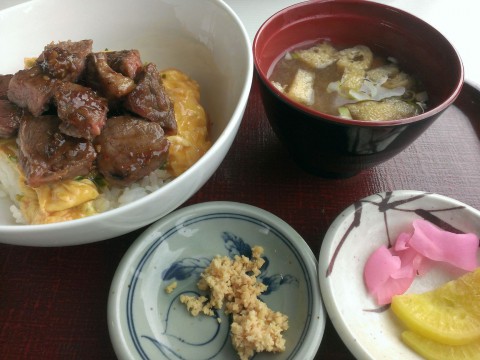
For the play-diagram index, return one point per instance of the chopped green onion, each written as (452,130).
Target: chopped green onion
(344,113)
(99,181)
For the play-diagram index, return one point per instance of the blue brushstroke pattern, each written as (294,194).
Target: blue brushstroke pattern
(183,269)
(275,281)
(236,246)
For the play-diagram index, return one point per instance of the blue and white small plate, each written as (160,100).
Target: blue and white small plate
(147,323)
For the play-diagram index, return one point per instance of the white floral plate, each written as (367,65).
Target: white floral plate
(147,323)
(370,331)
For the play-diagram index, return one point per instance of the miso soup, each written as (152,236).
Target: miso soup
(351,82)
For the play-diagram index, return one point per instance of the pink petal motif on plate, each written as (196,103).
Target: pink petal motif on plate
(459,250)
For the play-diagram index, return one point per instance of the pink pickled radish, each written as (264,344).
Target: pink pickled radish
(391,271)
(434,243)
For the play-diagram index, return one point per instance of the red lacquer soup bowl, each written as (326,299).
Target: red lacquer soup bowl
(333,146)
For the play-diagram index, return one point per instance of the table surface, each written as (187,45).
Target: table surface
(53,301)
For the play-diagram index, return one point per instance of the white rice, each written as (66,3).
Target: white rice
(111,198)
(10,186)
(17,215)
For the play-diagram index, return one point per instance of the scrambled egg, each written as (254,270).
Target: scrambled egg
(191,140)
(62,201)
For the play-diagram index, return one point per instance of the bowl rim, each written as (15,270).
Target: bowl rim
(337,119)
(224,140)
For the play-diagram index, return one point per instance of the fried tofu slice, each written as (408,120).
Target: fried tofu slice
(386,109)
(352,79)
(301,88)
(319,56)
(359,57)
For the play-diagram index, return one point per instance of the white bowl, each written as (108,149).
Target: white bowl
(147,323)
(372,332)
(204,39)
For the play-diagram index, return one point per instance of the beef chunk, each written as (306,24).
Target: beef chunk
(31,89)
(126,62)
(130,148)
(101,77)
(65,60)
(150,101)
(10,115)
(82,111)
(4,81)
(46,155)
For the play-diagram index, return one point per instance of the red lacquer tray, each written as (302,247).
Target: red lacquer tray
(53,301)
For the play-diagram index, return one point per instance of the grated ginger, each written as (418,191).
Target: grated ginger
(232,283)
(169,289)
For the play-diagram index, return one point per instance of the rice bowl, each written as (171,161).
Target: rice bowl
(169,35)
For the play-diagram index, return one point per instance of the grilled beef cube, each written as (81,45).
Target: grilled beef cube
(130,148)
(150,101)
(126,62)
(65,60)
(4,81)
(102,78)
(46,155)
(31,89)
(10,115)
(82,111)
